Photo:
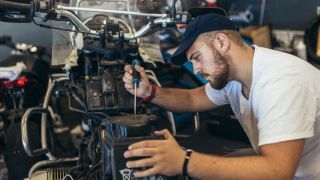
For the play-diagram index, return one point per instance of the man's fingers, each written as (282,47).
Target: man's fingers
(141,71)
(165,133)
(144,144)
(128,86)
(139,68)
(128,76)
(148,172)
(142,152)
(145,162)
(126,80)
(128,68)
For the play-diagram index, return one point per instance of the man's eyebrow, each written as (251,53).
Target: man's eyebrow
(193,54)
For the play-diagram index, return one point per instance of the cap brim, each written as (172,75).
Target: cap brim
(179,57)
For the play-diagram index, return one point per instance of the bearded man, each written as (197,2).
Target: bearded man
(274,95)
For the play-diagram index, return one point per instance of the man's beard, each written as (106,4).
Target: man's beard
(219,78)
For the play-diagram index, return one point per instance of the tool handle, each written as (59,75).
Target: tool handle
(135,73)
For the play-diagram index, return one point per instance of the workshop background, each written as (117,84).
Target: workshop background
(287,16)
(275,24)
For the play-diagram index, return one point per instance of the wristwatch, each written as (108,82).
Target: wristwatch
(186,162)
(152,95)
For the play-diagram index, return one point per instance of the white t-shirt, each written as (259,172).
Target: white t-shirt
(284,104)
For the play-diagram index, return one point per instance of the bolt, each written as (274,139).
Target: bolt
(164,24)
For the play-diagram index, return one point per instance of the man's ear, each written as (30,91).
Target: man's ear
(222,42)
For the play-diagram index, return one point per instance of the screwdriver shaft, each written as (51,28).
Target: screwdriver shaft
(135,81)
(135,99)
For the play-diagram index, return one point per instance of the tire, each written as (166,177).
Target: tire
(17,161)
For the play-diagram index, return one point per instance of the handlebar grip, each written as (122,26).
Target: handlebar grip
(15,6)
(11,11)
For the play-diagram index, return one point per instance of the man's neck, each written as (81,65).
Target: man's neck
(242,59)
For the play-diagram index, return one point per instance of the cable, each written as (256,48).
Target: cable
(173,10)
(103,114)
(74,109)
(67,176)
(86,172)
(62,29)
(77,98)
(262,10)
(92,169)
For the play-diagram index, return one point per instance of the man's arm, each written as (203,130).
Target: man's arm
(183,100)
(176,100)
(276,161)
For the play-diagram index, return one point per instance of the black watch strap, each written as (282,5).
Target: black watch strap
(186,162)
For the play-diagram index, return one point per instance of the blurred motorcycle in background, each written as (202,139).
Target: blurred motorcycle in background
(23,82)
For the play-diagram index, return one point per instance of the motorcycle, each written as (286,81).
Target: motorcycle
(23,81)
(92,42)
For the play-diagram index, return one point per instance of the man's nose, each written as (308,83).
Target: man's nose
(196,68)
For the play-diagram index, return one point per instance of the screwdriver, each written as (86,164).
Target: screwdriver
(135,81)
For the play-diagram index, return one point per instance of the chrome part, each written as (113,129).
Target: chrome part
(43,164)
(59,7)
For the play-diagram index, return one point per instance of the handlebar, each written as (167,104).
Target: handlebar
(15,6)
(161,21)
(11,11)
(47,10)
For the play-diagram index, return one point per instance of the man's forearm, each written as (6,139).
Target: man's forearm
(183,100)
(176,100)
(203,166)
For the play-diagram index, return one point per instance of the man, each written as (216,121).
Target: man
(275,96)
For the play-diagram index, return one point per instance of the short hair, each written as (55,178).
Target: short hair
(231,34)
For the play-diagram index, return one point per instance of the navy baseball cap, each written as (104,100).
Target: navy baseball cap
(197,26)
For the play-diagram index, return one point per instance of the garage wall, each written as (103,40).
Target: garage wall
(283,14)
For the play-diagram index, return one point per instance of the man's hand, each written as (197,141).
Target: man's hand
(144,89)
(164,157)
